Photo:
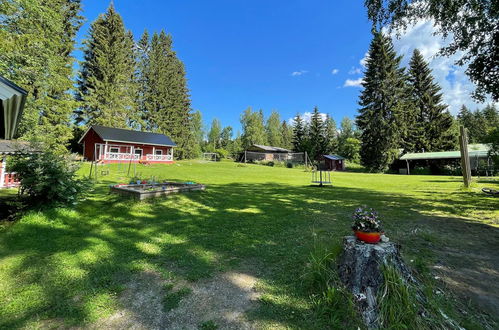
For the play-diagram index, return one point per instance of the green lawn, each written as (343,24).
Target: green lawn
(65,267)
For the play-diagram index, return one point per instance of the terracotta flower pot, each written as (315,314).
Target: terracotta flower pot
(371,238)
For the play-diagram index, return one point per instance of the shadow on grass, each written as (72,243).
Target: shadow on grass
(71,265)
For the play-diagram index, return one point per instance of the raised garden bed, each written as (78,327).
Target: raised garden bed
(143,191)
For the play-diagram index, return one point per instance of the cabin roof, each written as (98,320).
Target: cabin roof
(267,148)
(334,157)
(13,99)
(130,136)
(474,150)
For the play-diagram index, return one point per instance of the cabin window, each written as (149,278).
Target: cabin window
(114,150)
(158,152)
(138,151)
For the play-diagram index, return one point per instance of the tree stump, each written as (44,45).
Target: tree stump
(359,269)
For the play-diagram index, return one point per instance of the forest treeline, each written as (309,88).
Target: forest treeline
(140,83)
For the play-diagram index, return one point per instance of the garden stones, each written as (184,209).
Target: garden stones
(360,270)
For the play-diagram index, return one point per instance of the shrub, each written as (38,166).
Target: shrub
(47,178)
(289,165)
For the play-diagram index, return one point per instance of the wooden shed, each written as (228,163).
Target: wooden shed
(333,162)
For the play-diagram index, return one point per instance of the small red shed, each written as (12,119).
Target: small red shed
(115,145)
(334,162)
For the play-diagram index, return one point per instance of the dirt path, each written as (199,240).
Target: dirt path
(221,300)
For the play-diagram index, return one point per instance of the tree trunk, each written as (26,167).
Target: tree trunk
(360,270)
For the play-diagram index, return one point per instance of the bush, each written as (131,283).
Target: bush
(47,179)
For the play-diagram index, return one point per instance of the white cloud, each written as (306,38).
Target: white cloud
(456,86)
(335,71)
(355,70)
(353,83)
(299,73)
(363,61)
(307,117)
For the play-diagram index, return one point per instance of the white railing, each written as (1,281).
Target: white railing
(158,158)
(120,156)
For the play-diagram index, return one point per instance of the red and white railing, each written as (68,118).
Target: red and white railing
(158,158)
(120,156)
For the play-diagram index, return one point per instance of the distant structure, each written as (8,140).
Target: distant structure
(259,153)
(12,101)
(115,145)
(333,162)
(480,160)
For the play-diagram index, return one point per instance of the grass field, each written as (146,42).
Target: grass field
(79,267)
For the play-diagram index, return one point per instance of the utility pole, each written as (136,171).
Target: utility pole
(465,159)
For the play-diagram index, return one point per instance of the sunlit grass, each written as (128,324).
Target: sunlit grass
(71,265)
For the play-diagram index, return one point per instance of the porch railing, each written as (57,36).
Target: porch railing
(158,158)
(120,156)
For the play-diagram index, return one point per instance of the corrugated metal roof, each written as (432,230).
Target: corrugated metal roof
(334,157)
(474,150)
(13,99)
(268,148)
(126,135)
(11,147)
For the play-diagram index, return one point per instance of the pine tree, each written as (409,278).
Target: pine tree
(287,135)
(106,83)
(430,122)
(226,138)
(38,39)
(330,136)
(382,101)
(273,130)
(253,128)
(298,134)
(316,142)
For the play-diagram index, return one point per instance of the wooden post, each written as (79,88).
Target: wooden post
(407,161)
(245,156)
(306,156)
(465,159)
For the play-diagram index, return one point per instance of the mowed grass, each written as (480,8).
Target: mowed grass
(68,266)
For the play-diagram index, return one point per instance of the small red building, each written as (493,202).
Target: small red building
(333,163)
(115,145)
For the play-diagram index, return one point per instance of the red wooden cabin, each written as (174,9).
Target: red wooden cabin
(115,145)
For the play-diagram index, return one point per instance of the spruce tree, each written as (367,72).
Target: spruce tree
(106,83)
(38,38)
(330,136)
(273,130)
(316,142)
(431,123)
(383,102)
(197,133)
(298,134)
(287,135)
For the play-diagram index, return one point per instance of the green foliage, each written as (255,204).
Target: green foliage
(273,130)
(299,137)
(287,135)
(428,124)
(214,134)
(348,140)
(253,128)
(163,95)
(330,136)
(480,123)
(48,179)
(472,25)
(398,305)
(106,81)
(36,53)
(493,140)
(208,325)
(172,298)
(383,102)
(316,144)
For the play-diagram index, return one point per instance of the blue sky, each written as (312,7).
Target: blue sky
(273,54)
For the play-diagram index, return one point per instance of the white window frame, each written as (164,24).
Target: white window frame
(115,148)
(158,152)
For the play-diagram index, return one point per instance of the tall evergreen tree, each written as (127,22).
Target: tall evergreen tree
(273,129)
(316,142)
(253,128)
(287,135)
(330,136)
(431,121)
(106,83)
(382,101)
(38,38)
(163,94)
(299,134)
(198,133)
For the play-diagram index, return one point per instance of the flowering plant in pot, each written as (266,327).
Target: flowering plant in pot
(367,225)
